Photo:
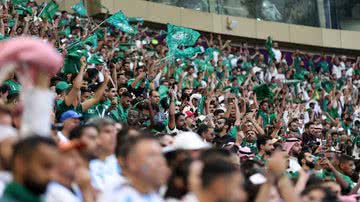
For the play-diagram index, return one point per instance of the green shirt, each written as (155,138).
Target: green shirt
(15,87)
(329,175)
(15,192)
(265,118)
(97,110)
(251,145)
(61,107)
(120,114)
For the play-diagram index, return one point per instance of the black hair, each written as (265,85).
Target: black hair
(177,115)
(344,159)
(329,195)
(302,156)
(4,89)
(78,131)
(180,172)
(126,94)
(261,140)
(308,124)
(129,142)
(26,147)
(214,169)
(203,128)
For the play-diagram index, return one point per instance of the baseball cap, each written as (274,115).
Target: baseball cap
(187,141)
(189,114)
(69,114)
(62,85)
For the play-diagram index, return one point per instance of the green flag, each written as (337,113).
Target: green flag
(19,2)
(21,9)
(181,36)
(65,32)
(80,9)
(268,46)
(188,52)
(136,19)
(263,92)
(92,41)
(49,11)
(96,59)
(120,21)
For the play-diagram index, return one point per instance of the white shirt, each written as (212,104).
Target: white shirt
(122,191)
(5,178)
(277,53)
(58,193)
(102,171)
(62,137)
(294,165)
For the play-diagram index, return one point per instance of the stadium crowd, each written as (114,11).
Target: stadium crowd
(130,118)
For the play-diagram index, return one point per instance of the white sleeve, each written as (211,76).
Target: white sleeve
(38,106)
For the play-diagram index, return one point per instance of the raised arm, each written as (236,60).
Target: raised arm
(73,94)
(171,124)
(98,94)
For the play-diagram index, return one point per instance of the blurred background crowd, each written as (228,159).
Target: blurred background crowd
(131,118)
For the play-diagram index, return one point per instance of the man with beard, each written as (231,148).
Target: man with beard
(306,160)
(120,112)
(293,128)
(222,128)
(309,138)
(293,148)
(263,114)
(265,147)
(206,133)
(33,161)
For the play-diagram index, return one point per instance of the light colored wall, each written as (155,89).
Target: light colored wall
(210,22)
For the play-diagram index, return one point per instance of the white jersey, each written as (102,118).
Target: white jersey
(122,191)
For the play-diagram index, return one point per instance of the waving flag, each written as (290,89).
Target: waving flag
(181,36)
(268,46)
(120,21)
(80,9)
(49,11)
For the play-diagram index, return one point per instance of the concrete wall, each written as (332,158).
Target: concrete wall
(210,22)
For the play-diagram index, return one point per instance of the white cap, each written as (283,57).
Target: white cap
(7,132)
(187,141)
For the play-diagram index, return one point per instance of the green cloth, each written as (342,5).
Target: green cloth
(49,11)
(20,2)
(97,110)
(15,192)
(252,146)
(65,32)
(80,9)
(329,175)
(265,118)
(23,9)
(61,107)
(268,46)
(263,92)
(120,114)
(324,66)
(62,85)
(136,19)
(187,53)
(147,84)
(92,41)
(15,87)
(163,91)
(120,21)
(181,36)
(96,59)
